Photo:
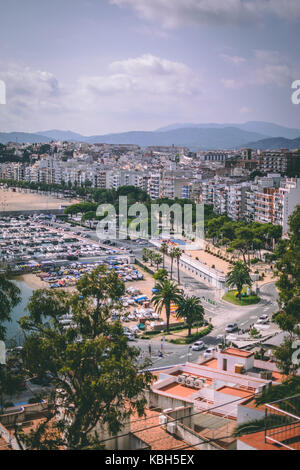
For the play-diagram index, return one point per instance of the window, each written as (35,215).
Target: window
(224,364)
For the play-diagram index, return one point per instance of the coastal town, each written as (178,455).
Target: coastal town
(149,230)
(214,365)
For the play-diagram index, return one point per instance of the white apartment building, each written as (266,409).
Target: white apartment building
(154,185)
(286,199)
(236,202)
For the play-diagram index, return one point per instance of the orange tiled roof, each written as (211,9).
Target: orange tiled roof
(212,363)
(257,441)
(234,391)
(177,389)
(156,437)
(238,352)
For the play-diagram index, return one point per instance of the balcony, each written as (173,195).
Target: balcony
(285,414)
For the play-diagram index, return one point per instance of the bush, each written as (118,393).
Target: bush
(194,337)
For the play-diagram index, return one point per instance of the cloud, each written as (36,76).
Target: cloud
(176,13)
(273,74)
(24,83)
(146,74)
(264,68)
(129,93)
(236,60)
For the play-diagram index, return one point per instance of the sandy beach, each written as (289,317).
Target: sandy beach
(32,281)
(24,201)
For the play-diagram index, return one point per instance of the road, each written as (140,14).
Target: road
(217,311)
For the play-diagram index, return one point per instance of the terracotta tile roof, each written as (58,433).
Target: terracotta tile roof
(234,391)
(257,441)
(156,437)
(238,352)
(178,390)
(212,363)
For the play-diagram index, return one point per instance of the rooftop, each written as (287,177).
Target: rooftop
(257,441)
(178,390)
(238,352)
(148,430)
(234,391)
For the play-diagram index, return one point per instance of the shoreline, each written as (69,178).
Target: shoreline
(32,281)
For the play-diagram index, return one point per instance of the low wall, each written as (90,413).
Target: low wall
(22,414)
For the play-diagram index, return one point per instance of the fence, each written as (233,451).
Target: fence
(282,423)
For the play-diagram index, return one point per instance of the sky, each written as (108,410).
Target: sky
(105,66)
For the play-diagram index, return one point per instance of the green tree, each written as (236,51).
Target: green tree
(238,277)
(177,253)
(96,379)
(191,309)
(161,275)
(288,317)
(9,298)
(172,256)
(146,254)
(164,250)
(157,259)
(167,292)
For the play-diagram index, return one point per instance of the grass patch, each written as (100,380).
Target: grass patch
(249,300)
(194,337)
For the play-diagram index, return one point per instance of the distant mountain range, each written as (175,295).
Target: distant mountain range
(255,134)
(22,137)
(266,128)
(62,135)
(210,138)
(276,143)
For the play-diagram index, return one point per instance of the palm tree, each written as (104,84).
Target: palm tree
(172,256)
(164,251)
(146,254)
(167,292)
(157,259)
(177,254)
(161,275)
(191,309)
(151,257)
(238,277)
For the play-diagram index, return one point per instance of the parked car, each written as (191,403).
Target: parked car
(231,327)
(209,352)
(198,346)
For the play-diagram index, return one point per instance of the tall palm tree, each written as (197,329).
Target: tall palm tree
(164,251)
(172,256)
(151,257)
(157,259)
(191,309)
(238,277)
(167,292)
(177,254)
